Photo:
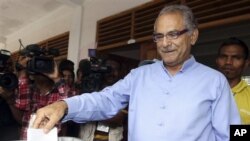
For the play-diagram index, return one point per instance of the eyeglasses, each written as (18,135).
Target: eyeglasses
(157,37)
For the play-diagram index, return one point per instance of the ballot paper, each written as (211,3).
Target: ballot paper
(38,134)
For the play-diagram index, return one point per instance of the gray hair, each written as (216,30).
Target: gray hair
(189,19)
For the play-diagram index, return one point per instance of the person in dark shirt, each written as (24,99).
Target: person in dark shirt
(9,126)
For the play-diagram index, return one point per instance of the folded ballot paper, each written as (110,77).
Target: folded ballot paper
(38,134)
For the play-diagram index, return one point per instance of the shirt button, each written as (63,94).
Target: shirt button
(160,124)
(167,93)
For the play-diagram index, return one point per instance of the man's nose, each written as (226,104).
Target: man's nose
(166,41)
(229,60)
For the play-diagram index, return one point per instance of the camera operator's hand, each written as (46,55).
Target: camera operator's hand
(23,61)
(55,74)
(22,64)
(48,116)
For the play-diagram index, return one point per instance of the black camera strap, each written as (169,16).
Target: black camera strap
(56,85)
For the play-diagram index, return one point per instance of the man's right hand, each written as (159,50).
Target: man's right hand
(48,116)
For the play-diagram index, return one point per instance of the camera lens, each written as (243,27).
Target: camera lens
(8,80)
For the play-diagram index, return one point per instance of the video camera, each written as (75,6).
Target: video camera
(8,79)
(98,66)
(41,58)
(92,71)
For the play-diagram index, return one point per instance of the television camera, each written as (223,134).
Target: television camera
(8,79)
(41,58)
(92,74)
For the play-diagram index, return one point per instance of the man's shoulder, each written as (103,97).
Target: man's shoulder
(210,74)
(150,65)
(246,85)
(148,68)
(209,69)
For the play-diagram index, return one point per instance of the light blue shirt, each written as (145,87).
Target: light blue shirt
(196,104)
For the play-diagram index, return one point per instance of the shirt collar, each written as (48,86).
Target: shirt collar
(186,65)
(239,87)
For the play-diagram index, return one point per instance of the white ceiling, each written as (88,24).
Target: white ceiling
(15,14)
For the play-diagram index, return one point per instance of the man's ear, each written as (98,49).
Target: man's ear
(194,36)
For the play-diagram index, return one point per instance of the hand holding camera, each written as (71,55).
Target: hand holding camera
(54,75)
(39,65)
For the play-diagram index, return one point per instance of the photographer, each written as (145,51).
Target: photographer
(66,71)
(109,74)
(37,87)
(9,127)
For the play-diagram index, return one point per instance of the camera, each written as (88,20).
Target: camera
(41,58)
(92,71)
(4,57)
(98,66)
(8,79)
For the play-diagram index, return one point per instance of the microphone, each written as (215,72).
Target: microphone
(21,44)
(18,66)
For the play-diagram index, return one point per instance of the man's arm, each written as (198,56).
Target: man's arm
(225,112)
(86,107)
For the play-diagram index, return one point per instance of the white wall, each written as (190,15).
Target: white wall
(53,24)
(79,20)
(92,11)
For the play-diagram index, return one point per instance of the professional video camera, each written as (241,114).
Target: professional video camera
(92,71)
(8,80)
(41,58)
(98,66)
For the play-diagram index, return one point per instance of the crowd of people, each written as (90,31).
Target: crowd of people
(36,90)
(168,99)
